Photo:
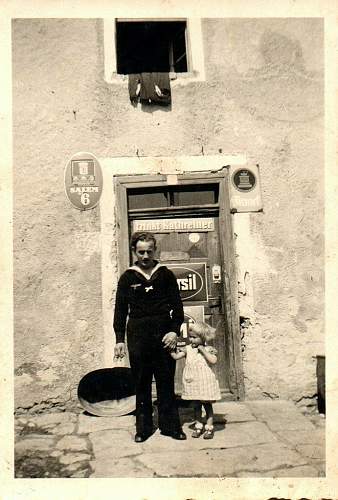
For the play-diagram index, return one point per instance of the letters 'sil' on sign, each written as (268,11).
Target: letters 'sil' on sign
(245,189)
(83,181)
(191,280)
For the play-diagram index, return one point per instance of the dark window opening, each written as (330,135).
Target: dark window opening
(178,196)
(147,47)
(147,198)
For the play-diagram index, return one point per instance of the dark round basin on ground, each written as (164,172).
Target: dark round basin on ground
(108,392)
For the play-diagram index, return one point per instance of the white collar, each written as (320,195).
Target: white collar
(147,276)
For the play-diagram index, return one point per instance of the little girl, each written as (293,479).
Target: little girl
(199,380)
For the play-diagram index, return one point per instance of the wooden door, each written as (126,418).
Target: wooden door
(199,251)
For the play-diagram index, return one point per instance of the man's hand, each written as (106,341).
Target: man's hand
(169,340)
(120,350)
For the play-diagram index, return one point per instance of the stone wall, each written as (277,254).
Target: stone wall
(57,263)
(263,97)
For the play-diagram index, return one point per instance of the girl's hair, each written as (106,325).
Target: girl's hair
(204,331)
(141,236)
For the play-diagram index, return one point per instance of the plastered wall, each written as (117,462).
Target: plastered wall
(262,97)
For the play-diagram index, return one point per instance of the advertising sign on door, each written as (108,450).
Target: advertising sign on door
(191,315)
(192,280)
(180,225)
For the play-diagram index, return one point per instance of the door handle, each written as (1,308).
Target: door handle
(215,303)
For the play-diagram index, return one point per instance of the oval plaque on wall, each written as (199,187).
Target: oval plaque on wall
(83,181)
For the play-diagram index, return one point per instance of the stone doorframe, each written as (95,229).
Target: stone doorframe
(118,173)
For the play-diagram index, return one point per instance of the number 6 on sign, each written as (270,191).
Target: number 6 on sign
(83,181)
(85,199)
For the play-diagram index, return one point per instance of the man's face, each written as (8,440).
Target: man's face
(144,252)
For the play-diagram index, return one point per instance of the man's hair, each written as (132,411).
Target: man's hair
(141,236)
(204,331)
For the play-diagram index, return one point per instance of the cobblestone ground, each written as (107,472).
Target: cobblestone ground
(252,439)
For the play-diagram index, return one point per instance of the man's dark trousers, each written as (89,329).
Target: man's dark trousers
(149,358)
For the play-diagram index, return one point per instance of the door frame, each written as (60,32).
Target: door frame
(230,289)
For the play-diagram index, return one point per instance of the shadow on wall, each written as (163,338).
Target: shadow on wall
(281,89)
(281,52)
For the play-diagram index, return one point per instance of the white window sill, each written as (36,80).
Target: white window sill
(176,79)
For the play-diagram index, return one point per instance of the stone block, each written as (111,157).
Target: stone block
(316,436)
(34,443)
(240,434)
(124,467)
(74,457)
(56,453)
(80,473)
(301,471)
(312,451)
(75,466)
(50,419)
(163,444)
(280,415)
(74,443)
(268,406)
(63,429)
(21,421)
(88,424)
(284,422)
(232,412)
(221,463)
(114,444)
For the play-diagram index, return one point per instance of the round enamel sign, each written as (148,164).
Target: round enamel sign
(83,181)
(244,180)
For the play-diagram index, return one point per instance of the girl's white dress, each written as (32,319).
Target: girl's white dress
(199,379)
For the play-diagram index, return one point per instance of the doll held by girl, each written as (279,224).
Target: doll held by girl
(200,384)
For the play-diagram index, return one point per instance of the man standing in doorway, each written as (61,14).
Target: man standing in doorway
(148,295)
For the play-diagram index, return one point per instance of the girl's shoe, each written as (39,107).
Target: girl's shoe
(208,433)
(198,431)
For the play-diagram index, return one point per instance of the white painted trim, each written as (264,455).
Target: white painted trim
(195,52)
(196,48)
(109,49)
(112,167)
(130,165)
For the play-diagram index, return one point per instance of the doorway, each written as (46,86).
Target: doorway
(192,224)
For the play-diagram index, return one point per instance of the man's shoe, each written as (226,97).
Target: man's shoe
(139,438)
(179,435)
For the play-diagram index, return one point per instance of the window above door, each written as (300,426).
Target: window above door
(166,197)
(153,45)
(178,200)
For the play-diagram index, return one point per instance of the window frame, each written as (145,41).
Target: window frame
(194,50)
(170,194)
